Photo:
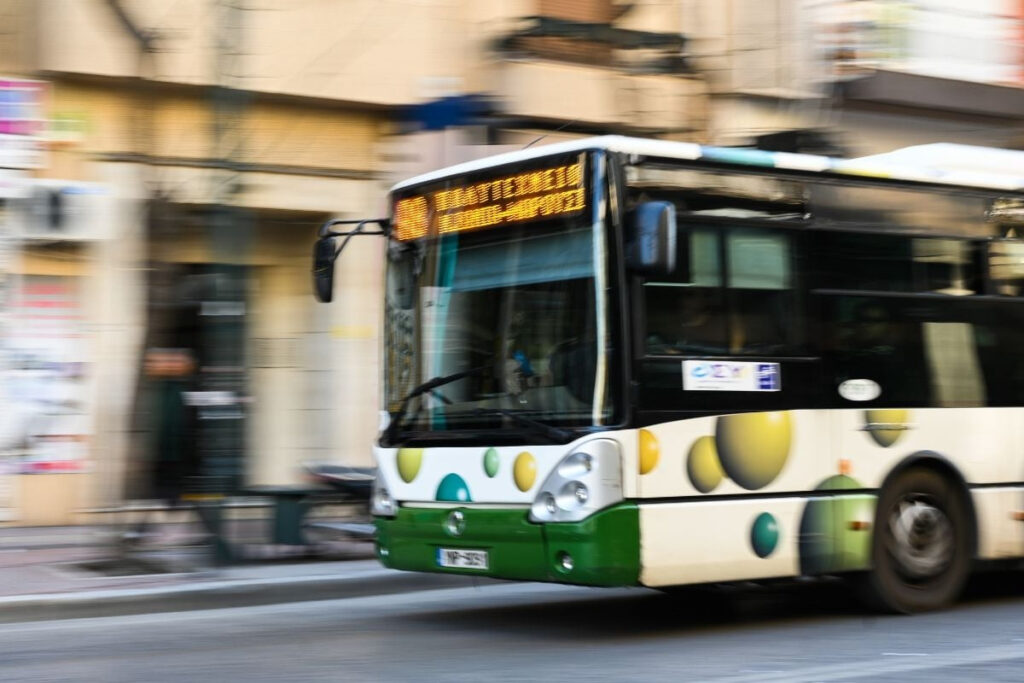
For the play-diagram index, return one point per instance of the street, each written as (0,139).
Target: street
(537,632)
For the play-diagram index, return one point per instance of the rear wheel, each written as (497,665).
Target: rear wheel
(921,549)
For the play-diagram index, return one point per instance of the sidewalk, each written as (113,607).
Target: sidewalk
(50,573)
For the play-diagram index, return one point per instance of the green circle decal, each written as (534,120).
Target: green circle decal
(453,489)
(764,534)
(828,542)
(491,462)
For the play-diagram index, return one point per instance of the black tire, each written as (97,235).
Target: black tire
(922,544)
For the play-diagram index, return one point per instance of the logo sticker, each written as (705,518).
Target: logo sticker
(716,375)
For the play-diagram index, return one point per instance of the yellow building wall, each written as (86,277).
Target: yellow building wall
(381,52)
(296,415)
(165,123)
(16,20)
(50,499)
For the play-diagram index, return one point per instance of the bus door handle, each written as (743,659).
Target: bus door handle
(886,427)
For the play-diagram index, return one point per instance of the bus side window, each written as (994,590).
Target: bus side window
(763,306)
(698,313)
(874,339)
(954,365)
(999,337)
(896,263)
(684,314)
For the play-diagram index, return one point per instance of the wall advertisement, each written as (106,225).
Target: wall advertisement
(45,427)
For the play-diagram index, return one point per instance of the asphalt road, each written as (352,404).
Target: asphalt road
(533,632)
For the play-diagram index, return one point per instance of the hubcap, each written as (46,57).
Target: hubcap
(922,538)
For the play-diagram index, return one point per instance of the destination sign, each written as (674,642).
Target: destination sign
(527,196)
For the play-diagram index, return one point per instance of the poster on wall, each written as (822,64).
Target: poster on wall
(45,428)
(23,123)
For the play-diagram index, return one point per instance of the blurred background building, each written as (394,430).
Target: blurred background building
(164,165)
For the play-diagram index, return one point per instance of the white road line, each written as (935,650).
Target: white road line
(860,669)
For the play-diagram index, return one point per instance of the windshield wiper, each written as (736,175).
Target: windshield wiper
(425,388)
(555,434)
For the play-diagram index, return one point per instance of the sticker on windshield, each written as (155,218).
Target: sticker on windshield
(718,375)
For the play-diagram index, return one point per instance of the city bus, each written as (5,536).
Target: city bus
(632,362)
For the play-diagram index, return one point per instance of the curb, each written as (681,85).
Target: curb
(221,594)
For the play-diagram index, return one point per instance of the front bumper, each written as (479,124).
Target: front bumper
(605,548)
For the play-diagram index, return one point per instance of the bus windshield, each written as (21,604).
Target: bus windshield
(516,308)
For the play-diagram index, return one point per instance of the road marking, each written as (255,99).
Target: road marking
(861,670)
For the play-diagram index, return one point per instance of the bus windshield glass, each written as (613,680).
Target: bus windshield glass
(515,308)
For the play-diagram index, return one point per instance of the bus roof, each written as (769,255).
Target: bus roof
(986,171)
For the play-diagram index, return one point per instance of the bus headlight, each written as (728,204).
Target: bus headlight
(585,481)
(381,502)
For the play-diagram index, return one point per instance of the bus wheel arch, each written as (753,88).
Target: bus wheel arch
(941,465)
(925,536)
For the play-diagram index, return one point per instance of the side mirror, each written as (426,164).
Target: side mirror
(324,255)
(651,237)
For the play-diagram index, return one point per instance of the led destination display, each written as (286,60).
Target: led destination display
(522,197)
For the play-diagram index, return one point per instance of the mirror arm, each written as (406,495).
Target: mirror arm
(325,230)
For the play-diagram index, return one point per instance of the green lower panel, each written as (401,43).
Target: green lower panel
(605,549)
(515,547)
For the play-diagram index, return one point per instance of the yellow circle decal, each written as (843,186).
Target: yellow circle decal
(753,447)
(703,465)
(897,419)
(649,451)
(524,471)
(409,461)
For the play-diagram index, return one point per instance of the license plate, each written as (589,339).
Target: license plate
(462,559)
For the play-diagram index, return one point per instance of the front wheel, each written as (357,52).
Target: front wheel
(921,549)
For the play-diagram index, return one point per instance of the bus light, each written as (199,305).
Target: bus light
(381,503)
(585,481)
(565,562)
(576,465)
(573,495)
(547,504)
